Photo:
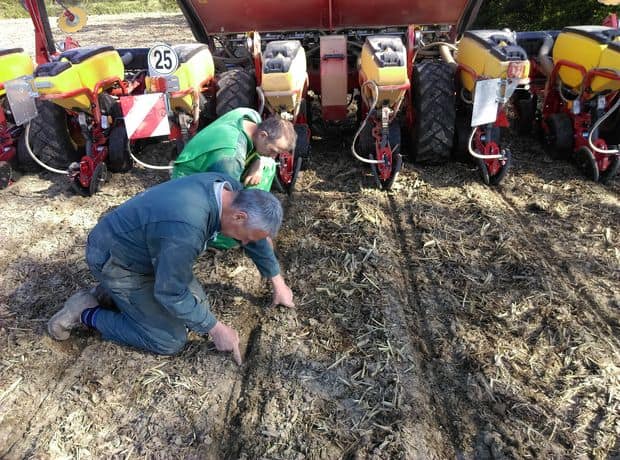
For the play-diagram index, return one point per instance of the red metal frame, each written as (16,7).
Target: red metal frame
(485,147)
(383,152)
(582,121)
(611,21)
(7,142)
(274,15)
(99,149)
(206,85)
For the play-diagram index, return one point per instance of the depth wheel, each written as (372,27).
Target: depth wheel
(587,163)
(611,171)
(100,176)
(559,136)
(497,178)
(6,174)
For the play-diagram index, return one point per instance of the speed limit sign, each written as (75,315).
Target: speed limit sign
(162,60)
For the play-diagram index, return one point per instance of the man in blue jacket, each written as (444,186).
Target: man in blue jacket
(142,254)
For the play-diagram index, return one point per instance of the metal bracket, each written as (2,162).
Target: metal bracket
(21,100)
(488,94)
(172,83)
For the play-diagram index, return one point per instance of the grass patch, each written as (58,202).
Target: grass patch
(13,9)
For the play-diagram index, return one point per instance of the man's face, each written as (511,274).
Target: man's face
(237,228)
(269,148)
(249,235)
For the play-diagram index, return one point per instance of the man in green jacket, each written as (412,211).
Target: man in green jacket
(240,144)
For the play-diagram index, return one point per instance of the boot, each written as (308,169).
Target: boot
(60,325)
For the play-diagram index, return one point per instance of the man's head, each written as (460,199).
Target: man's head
(274,136)
(251,216)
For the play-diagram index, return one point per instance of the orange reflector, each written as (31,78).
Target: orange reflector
(158,84)
(516,69)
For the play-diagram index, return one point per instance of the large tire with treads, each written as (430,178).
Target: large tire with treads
(49,139)
(433,97)
(235,88)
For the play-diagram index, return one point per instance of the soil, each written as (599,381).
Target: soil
(444,319)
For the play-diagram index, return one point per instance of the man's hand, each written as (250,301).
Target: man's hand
(226,339)
(282,294)
(254,174)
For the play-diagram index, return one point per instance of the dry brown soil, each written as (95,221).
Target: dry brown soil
(445,319)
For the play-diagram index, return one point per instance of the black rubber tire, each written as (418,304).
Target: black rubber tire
(119,159)
(497,178)
(611,172)
(462,131)
(100,176)
(25,163)
(235,88)
(587,163)
(366,147)
(610,129)
(49,138)
(289,188)
(366,142)
(525,108)
(433,96)
(207,111)
(6,174)
(559,138)
(302,146)
(494,134)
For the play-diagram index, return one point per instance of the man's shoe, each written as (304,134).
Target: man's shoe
(60,325)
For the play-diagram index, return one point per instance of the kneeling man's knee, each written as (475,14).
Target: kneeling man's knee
(170,344)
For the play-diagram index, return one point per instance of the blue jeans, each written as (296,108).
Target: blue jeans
(141,321)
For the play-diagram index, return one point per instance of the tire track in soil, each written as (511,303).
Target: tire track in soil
(601,319)
(417,323)
(233,444)
(25,440)
(57,401)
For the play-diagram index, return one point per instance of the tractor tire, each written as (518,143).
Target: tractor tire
(434,105)
(559,136)
(235,88)
(49,139)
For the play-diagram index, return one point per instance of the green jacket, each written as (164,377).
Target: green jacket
(222,147)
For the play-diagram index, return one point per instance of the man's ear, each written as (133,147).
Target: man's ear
(240,216)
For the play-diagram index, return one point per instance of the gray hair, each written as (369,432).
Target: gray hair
(277,127)
(263,209)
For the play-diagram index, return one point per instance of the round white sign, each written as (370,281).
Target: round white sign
(162,60)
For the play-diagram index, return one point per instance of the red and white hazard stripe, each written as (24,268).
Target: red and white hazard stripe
(145,115)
